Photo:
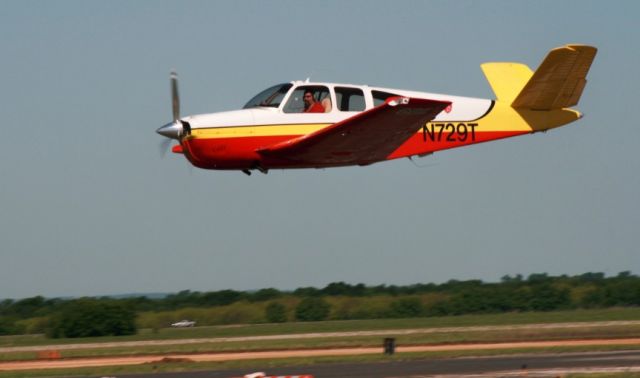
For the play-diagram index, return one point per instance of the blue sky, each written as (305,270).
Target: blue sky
(89,207)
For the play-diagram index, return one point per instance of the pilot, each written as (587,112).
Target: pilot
(310,103)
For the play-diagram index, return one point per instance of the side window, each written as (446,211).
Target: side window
(349,99)
(380,97)
(297,103)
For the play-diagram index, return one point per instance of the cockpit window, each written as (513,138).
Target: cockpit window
(350,99)
(271,97)
(318,101)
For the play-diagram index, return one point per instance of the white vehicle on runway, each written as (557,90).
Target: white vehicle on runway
(184,323)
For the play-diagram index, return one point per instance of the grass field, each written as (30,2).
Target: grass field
(451,336)
(343,326)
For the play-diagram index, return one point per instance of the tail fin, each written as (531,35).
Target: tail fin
(560,79)
(506,79)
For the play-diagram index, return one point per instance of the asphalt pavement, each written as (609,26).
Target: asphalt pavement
(531,365)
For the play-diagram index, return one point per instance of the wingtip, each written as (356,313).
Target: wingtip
(579,46)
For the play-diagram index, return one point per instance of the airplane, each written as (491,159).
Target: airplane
(303,124)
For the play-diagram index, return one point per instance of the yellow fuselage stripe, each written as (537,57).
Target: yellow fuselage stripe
(257,130)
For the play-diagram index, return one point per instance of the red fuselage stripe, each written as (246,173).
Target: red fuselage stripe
(240,152)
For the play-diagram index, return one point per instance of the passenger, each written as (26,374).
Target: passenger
(310,103)
(326,104)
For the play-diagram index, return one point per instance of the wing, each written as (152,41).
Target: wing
(365,138)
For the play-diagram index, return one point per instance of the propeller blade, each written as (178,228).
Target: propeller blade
(164,146)
(175,99)
(176,128)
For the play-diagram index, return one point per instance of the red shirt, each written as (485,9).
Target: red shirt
(315,108)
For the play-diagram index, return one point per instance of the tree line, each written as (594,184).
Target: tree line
(538,292)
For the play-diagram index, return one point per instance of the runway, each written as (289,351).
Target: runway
(530,365)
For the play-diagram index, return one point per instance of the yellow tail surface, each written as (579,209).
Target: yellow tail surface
(506,79)
(558,82)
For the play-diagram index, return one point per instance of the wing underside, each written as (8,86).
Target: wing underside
(365,138)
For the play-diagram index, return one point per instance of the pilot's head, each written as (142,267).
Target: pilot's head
(308,98)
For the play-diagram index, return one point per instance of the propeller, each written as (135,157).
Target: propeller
(164,146)
(175,98)
(177,128)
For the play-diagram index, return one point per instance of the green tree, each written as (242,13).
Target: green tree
(264,295)
(306,292)
(593,298)
(538,277)
(220,298)
(275,313)
(407,308)
(90,318)
(312,309)
(8,326)
(545,297)
(28,306)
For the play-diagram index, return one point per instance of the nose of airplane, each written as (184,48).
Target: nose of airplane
(171,130)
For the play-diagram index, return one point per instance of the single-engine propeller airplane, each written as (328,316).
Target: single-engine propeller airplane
(305,124)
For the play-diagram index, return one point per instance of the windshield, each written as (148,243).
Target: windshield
(269,97)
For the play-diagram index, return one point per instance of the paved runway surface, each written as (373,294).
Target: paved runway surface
(531,365)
